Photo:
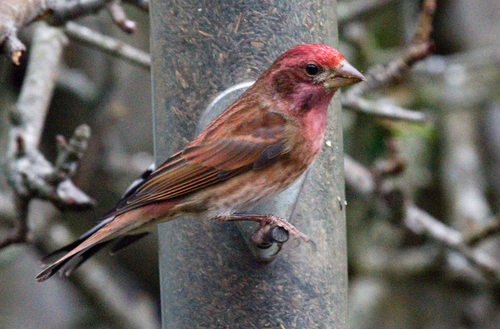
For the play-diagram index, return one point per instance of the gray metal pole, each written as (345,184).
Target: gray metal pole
(209,276)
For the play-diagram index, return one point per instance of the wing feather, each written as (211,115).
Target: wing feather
(211,159)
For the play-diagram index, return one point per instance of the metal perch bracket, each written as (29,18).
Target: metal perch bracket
(282,205)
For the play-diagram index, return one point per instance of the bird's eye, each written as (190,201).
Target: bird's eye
(312,69)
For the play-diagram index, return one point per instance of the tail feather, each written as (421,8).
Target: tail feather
(50,271)
(71,263)
(119,229)
(67,248)
(80,258)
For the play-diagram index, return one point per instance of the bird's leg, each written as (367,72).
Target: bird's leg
(268,231)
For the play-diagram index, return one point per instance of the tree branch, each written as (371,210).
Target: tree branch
(118,16)
(382,76)
(371,183)
(28,172)
(16,14)
(110,45)
(20,232)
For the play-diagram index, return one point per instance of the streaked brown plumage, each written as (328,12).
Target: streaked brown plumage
(259,146)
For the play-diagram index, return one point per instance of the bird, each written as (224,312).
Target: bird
(256,148)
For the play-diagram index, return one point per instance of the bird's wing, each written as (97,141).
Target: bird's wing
(215,156)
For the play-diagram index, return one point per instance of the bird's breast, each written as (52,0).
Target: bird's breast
(245,190)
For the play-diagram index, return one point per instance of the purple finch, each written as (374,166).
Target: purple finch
(259,146)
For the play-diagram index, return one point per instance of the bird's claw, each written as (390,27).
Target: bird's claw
(276,230)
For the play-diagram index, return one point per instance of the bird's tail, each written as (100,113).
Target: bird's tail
(86,246)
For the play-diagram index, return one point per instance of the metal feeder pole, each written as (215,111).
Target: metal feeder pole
(205,53)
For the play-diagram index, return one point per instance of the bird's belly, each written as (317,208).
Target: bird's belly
(245,190)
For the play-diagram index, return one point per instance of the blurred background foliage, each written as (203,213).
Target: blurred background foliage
(398,279)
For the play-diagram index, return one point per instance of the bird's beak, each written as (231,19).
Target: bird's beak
(344,75)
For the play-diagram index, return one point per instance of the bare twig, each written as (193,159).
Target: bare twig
(118,16)
(382,76)
(28,115)
(77,82)
(379,77)
(69,153)
(32,176)
(424,25)
(107,44)
(357,176)
(63,11)
(419,221)
(488,231)
(16,14)
(382,109)
(14,47)
(29,173)
(8,212)
(20,232)
(468,203)
(422,223)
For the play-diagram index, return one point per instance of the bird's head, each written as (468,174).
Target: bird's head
(309,74)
